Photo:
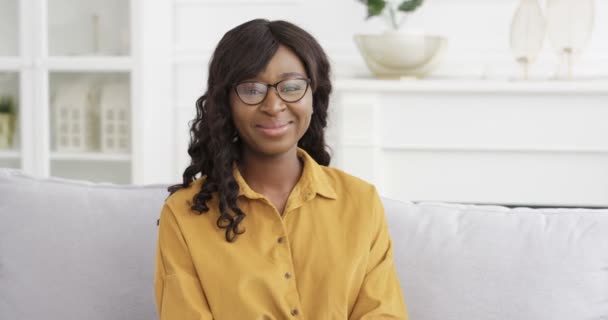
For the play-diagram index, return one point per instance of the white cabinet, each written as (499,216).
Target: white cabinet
(9,28)
(80,72)
(10,76)
(520,143)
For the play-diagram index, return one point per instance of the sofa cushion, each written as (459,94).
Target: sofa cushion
(489,262)
(76,250)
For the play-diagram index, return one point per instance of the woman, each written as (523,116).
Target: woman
(268,231)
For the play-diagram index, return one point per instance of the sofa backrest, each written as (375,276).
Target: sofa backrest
(491,262)
(77,250)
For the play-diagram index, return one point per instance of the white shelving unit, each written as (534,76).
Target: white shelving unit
(10,64)
(9,89)
(64,53)
(479,141)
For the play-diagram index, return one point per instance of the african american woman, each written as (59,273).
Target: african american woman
(261,227)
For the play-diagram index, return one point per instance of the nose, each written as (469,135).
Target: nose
(273,104)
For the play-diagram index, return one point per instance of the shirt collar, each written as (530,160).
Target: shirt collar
(313,181)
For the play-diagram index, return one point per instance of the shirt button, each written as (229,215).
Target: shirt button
(281,239)
(294,312)
(287,275)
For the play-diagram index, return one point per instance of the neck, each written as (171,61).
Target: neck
(271,174)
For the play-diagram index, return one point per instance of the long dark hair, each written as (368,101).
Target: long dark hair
(243,53)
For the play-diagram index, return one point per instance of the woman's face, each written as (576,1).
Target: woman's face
(274,127)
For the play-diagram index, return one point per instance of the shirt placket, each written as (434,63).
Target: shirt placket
(288,274)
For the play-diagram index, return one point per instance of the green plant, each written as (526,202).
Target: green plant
(6,104)
(378,7)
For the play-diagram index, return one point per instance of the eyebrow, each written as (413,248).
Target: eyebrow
(291,74)
(281,76)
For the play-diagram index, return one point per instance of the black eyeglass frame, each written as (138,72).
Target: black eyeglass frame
(268,86)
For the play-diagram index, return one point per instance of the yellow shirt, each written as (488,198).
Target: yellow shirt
(329,256)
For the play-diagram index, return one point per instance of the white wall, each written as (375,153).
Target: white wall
(173,40)
(478,33)
(478,30)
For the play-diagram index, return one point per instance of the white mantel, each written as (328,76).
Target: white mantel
(469,85)
(482,141)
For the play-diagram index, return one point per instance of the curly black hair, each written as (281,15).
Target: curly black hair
(243,53)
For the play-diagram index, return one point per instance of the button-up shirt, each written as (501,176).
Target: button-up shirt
(328,256)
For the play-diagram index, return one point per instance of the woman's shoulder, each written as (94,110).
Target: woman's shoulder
(357,199)
(179,208)
(345,183)
(181,199)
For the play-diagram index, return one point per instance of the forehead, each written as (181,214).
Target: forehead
(283,64)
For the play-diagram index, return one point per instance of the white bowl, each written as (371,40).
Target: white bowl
(397,54)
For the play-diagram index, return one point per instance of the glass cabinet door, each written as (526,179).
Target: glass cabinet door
(89,114)
(9,28)
(89,28)
(90,126)
(9,120)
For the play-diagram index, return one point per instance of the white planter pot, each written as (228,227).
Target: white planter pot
(396,54)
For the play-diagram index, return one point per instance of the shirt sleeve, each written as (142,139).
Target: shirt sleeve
(178,291)
(380,295)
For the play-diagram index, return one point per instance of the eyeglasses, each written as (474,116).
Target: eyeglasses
(289,90)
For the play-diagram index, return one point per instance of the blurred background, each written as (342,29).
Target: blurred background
(493,101)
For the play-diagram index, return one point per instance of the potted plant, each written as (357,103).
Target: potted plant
(399,52)
(391,10)
(6,121)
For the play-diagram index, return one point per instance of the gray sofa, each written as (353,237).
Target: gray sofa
(79,250)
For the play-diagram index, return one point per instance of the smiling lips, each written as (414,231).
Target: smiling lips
(273,129)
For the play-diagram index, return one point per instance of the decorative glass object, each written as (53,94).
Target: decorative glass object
(527,33)
(570,25)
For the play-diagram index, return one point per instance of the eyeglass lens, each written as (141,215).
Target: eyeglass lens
(255,92)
